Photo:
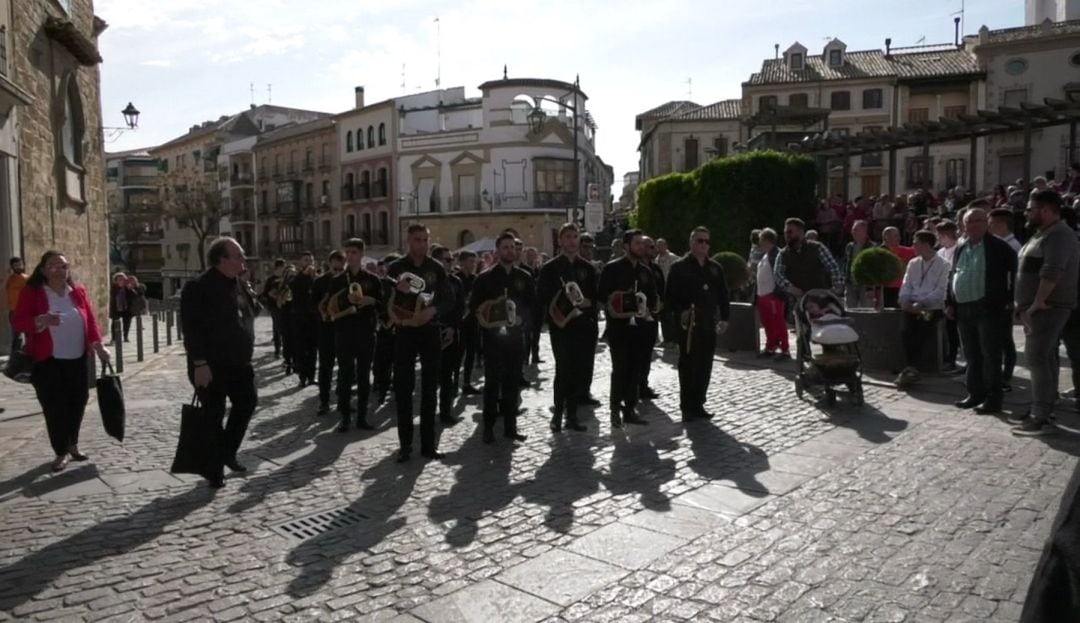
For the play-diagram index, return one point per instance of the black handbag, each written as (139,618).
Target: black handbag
(199,450)
(19,367)
(110,396)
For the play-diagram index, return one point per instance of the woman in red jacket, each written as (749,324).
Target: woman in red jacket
(58,320)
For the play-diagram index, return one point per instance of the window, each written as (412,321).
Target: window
(955,172)
(348,188)
(840,100)
(796,61)
(554,183)
(382,134)
(326,188)
(918,172)
(720,144)
(1074,60)
(350,226)
(370,136)
(465,238)
(365,184)
(918,115)
(308,161)
(799,100)
(71,133)
(359,139)
(365,228)
(380,183)
(954,112)
(263,202)
(1014,97)
(382,235)
(1015,66)
(836,58)
(872,99)
(3,50)
(326,233)
(872,159)
(690,154)
(767,102)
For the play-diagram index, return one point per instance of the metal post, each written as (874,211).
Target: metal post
(179,327)
(118,344)
(154,329)
(138,338)
(577,164)
(972,182)
(168,328)
(892,172)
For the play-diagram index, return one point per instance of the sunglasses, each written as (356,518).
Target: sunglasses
(701,241)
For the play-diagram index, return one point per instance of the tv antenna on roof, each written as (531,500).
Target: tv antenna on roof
(961,14)
(689,88)
(438,53)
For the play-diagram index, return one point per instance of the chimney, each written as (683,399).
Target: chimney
(776,50)
(888,47)
(956,31)
(359,97)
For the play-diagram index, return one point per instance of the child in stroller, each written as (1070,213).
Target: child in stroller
(820,320)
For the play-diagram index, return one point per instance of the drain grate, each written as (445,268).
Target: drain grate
(318,523)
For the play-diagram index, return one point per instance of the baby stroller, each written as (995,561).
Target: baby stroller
(820,320)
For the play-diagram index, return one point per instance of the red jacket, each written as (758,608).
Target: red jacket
(32,303)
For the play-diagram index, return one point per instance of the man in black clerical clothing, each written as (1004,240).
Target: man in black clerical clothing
(304,318)
(419,302)
(354,307)
(628,291)
(497,295)
(697,295)
(218,317)
(571,317)
(320,294)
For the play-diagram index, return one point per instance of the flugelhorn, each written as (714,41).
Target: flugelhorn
(356,292)
(416,282)
(404,306)
(566,304)
(574,293)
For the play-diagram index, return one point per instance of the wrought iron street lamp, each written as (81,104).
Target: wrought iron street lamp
(537,117)
(131,116)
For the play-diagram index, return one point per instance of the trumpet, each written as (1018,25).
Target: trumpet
(642,303)
(356,292)
(497,313)
(283,296)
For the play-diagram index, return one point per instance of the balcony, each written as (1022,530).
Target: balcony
(241,179)
(287,210)
(291,169)
(365,235)
(325,205)
(277,172)
(242,215)
(150,181)
(553,200)
(465,204)
(262,175)
(362,191)
(347,192)
(382,237)
(378,189)
(324,163)
(308,166)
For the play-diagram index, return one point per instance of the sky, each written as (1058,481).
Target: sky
(186,61)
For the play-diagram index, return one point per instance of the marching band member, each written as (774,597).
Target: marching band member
(383,368)
(304,320)
(628,288)
(652,325)
(568,286)
(354,310)
(419,299)
(697,295)
(588,253)
(321,291)
(269,297)
(450,338)
(470,338)
(497,295)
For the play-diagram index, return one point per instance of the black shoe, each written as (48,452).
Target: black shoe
(708,416)
(470,390)
(515,436)
(589,401)
(434,455)
(574,425)
(1018,418)
(449,420)
(362,424)
(404,454)
(556,422)
(235,466)
(380,398)
(648,393)
(990,407)
(489,436)
(1006,387)
(216,482)
(616,421)
(633,418)
(1034,427)
(968,402)
(324,408)
(524,383)
(689,415)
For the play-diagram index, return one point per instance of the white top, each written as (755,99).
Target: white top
(947,254)
(766,284)
(68,337)
(665,260)
(925,282)
(1013,242)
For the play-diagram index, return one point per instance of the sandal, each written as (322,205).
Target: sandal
(60,463)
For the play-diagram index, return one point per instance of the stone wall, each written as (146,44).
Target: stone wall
(49,220)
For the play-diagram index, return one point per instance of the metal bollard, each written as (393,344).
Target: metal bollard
(168,328)
(179,327)
(118,345)
(154,329)
(138,339)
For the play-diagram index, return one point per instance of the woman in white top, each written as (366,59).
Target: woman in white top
(922,297)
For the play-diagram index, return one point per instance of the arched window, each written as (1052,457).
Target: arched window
(371,136)
(380,182)
(72,131)
(382,134)
(359,139)
(365,184)
(348,141)
(349,187)
(465,238)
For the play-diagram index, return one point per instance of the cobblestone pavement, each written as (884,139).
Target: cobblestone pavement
(778,509)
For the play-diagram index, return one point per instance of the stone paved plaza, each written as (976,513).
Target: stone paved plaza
(778,509)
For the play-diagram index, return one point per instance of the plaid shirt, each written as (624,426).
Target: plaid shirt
(836,274)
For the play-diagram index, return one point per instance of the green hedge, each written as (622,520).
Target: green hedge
(731,196)
(876,267)
(736,269)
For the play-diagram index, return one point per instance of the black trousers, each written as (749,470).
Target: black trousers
(573,353)
(669,326)
(62,387)
(890,297)
(412,343)
(1008,350)
(626,345)
(590,363)
(952,341)
(355,350)
(276,322)
(1054,593)
(503,355)
(383,366)
(652,329)
(305,332)
(470,343)
(449,366)
(237,383)
(534,334)
(125,320)
(695,367)
(16,337)
(327,343)
(916,334)
(982,339)
(1070,336)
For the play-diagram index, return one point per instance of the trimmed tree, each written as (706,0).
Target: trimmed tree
(731,196)
(874,268)
(736,270)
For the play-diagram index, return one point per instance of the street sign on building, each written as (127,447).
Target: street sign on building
(595,193)
(594,216)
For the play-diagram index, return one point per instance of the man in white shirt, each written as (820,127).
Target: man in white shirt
(922,298)
(1000,225)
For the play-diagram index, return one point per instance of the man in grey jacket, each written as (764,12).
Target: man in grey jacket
(1046,289)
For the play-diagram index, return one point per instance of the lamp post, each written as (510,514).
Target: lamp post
(537,117)
(131,122)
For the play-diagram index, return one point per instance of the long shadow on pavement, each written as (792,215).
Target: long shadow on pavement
(719,456)
(392,485)
(636,465)
(567,476)
(482,485)
(24,579)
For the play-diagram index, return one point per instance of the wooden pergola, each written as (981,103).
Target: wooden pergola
(1005,120)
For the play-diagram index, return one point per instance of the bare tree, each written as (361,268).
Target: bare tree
(197,206)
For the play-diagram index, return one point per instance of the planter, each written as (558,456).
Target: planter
(881,345)
(743,329)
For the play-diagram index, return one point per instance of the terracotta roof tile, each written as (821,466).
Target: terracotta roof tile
(917,63)
(718,111)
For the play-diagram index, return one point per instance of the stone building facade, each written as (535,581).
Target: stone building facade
(52,170)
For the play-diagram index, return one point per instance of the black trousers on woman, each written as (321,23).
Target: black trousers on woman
(62,387)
